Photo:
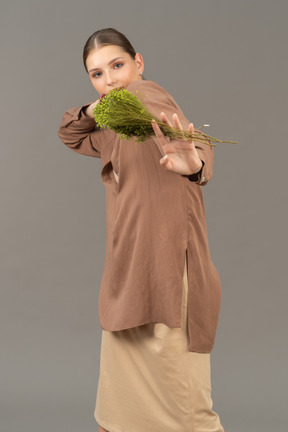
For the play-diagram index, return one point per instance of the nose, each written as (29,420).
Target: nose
(110,81)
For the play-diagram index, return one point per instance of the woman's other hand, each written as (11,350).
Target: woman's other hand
(90,108)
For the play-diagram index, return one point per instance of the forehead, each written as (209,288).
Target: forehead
(100,57)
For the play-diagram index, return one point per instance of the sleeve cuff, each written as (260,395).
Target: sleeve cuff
(80,119)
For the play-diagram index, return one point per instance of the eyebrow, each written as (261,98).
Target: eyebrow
(112,61)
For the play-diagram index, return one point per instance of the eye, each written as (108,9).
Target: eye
(117,65)
(96,74)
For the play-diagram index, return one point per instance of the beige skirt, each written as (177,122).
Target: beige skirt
(150,381)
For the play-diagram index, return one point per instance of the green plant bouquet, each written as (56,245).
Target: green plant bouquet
(123,112)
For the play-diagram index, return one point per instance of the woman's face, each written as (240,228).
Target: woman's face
(109,67)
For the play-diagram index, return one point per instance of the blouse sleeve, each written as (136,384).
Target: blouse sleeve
(157,99)
(79,132)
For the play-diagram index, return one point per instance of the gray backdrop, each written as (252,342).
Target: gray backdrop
(225,63)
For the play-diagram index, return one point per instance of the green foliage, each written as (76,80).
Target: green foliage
(122,111)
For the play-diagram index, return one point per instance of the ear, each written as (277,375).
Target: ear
(139,62)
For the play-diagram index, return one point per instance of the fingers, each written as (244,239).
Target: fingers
(165,120)
(159,134)
(177,123)
(159,138)
(166,163)
(164,160)
(191,130)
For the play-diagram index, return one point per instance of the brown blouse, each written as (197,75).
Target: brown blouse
(153,217)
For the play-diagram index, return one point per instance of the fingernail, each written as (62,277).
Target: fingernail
(164,158)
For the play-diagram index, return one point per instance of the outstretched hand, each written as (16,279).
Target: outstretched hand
(180,157)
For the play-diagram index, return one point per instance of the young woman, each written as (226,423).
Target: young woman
(160,292)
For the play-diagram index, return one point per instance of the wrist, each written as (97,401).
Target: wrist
(194,177)
(199,170)
(88,110)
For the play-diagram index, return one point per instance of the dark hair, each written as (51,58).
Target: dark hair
(108,36)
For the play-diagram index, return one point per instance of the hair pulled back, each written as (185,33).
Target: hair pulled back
(107,36)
